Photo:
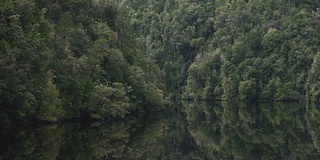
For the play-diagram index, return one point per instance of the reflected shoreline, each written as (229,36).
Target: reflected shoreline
(184,130)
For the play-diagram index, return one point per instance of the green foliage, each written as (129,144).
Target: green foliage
(74,50)
(50,108)
(272,40)
(110,101)
(229,86)
(172,33)
(266,49)
(69,59)
(312,85)
(247,89)
(154,95)
(203,77)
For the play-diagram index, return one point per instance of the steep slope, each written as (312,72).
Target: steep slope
(72,58)
(233,49)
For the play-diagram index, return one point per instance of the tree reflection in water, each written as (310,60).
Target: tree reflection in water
(217,130)
(253,130)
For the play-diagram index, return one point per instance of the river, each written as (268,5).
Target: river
(216,130)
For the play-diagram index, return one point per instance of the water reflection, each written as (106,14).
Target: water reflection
(36,143)
(255,131)
(130,139)
(186,130)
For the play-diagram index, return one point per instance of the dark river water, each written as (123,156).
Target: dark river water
(218,130)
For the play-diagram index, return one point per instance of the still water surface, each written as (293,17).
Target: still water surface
(185,130)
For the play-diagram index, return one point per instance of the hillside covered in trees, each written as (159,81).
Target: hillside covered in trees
(64,59)
(233,49)
(72,58)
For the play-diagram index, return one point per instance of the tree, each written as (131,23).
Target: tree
(247,89)
(312,85)
(50,103)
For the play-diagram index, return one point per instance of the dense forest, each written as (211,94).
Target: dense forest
(233,49)
(64,59)
(72,58)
